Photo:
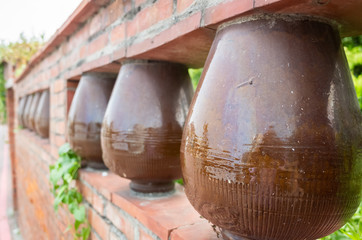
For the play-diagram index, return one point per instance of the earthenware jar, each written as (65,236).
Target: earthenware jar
(26,121)
(142,127)
(41,119)
(272,143)
(86,115)
(20,112)
(32,111)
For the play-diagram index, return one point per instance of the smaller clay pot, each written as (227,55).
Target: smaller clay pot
(32,110)
(20,111)
(86,115)
(29,101)
(142,127)
(41,119)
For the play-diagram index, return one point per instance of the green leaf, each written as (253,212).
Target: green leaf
(85,233)
(64,149)
(79,213)
(61,176)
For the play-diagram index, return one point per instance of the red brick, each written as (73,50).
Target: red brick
(146,236)
(202,230)
(120,221)
(158,214)
(127,5)
(54,71)
(183,4)
(58,99)
(99,43)
(260,3)
(149,16)
(118,33)
(95,200)
(226,10)
(114,11)
(98,224)
(58,86)
(139,2)
(60,127)
(59,141)
(95,24)
(183,27)
(105,185)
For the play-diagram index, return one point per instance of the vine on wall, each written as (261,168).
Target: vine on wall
(62,178)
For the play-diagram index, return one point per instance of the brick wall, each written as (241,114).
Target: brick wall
(97,37)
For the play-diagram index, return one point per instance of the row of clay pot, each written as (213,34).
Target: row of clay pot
(271,146)
(33,112)
(142,126)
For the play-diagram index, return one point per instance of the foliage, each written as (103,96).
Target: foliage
(20,52)
(353,50)
(2,96)
(62,176)
(179,181)
(195,75)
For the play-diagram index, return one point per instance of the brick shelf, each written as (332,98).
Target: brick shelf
(170,217)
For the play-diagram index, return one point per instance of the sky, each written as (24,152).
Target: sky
(33,17)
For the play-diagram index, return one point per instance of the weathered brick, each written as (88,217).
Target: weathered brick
(118,33)
(183,4)
(97,44)
(226,10)
(148,16)
(123,223)
(98,224)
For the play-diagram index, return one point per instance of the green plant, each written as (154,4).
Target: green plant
(195,75)
(62,177)
(20,52)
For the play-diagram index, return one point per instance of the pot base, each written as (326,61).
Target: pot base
(152,187)
(227,235)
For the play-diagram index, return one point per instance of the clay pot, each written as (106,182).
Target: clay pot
(20,112)
(86,115)
(142,127)
(272,144)
(41,119)
(32,111)
(26,121)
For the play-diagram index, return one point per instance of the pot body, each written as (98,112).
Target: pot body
(26,116)
(142,127)
(86,115)
(272,145)
(33,109)
(41,119)
(20,112)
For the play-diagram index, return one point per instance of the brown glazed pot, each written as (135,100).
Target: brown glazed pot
(86,115)
(20,112)
(272,143)
(26,120)
(142,127)
(41,119)
(33,109)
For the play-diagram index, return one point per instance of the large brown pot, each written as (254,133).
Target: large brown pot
(32,111)
(20,112)
(86,115)
(142,127)
(26,120)
(272,144)
(41,119)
